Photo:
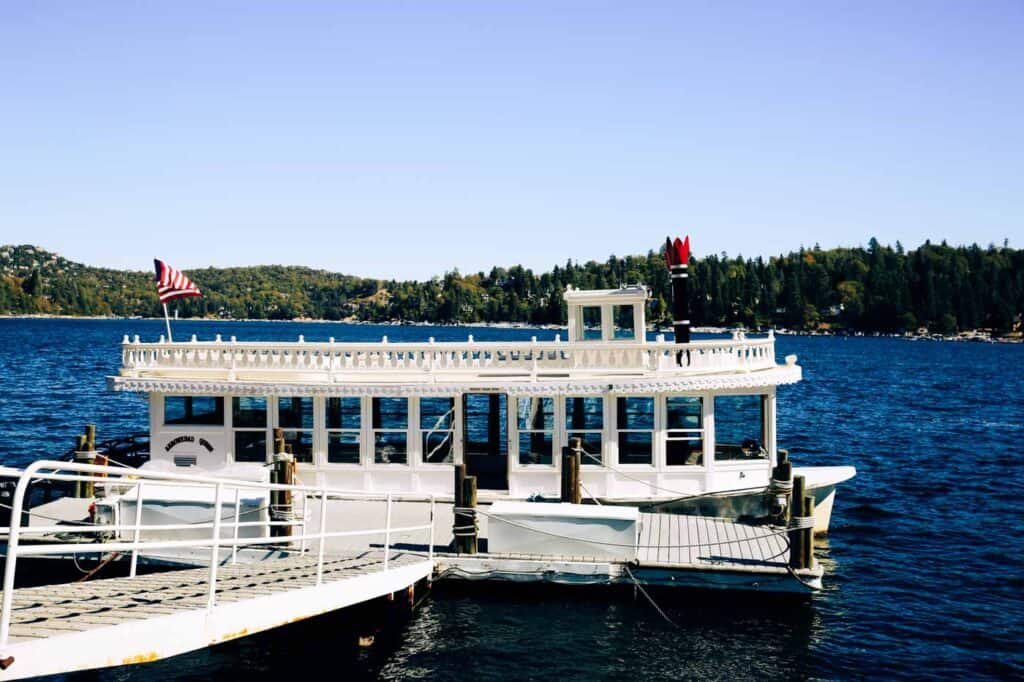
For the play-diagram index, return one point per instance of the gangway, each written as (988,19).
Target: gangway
(141,618)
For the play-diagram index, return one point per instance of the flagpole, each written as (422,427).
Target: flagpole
(167,319)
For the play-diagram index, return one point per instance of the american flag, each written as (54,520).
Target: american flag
(172,284)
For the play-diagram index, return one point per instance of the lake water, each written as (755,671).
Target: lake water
(924,566)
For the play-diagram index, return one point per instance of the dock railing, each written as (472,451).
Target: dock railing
(514,357)
(223,533)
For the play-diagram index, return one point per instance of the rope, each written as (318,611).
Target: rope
(591,495)
(678,495)
(103,564)
(470,530)
(801,522)
(800,580)
(781,485)
(637,585)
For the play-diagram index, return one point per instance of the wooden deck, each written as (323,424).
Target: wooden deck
(700,540)
(117,621)
(673,551)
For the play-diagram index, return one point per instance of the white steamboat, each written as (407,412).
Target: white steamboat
(676,427)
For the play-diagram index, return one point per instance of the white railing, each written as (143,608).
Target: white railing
(499,357)
(217,540)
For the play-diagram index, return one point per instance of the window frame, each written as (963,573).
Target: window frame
(360,434)
(295,431)
(453,416)
(656,425)
(568,431)
(165,425)
(514,450)
(268,406)
(701,433)
(372,430)
(765,432)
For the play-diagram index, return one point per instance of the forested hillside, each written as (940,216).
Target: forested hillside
(878,288)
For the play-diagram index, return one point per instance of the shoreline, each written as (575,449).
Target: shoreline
(969,336)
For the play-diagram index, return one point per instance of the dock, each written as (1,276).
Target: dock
(120,621)
(316,565)
(673,551)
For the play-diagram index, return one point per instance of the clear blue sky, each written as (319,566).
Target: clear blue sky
(406,139)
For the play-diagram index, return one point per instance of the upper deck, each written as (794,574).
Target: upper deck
(337,368)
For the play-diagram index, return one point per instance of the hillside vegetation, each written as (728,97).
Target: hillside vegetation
(879,288)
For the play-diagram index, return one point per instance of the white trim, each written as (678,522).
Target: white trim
(778,376)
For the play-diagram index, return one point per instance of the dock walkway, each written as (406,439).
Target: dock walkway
(118,621)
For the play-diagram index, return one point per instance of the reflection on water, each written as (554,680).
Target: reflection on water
(531,632)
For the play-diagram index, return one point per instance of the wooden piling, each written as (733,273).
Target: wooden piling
(570,491)
(282,472)
(808,542)
(85,453)
(781,493)
(796,535)
(469,538)
(565,490)
(457,502)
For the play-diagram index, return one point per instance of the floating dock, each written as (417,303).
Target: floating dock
(673,551)
(315,569)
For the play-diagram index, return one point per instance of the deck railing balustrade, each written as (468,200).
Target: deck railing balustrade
(493,358)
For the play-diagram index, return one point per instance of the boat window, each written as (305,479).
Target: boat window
(536,425)
(624,327)
(485,440)
(584,419)
(437,423)
(295,416)
(739,427)
(201,410)
(249,422)
(591,319)
(390,430)
(344,422)
(684,431)
(635,423)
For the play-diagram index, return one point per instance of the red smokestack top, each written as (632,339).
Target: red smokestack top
(677,252)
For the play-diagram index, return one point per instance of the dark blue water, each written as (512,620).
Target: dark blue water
(924,562)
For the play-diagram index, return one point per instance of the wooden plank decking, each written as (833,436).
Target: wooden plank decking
(59,628)
(701,541)
(673,550)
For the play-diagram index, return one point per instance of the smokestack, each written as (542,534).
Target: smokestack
(677,257)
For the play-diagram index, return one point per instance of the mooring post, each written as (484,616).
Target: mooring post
(86,454)
(566,485)
(469,501)
(575,459)
(796,534)
(780,491)
(458,517)
(283,472)
(808,533)
(81,447)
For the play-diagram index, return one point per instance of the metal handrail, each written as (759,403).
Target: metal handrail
(52,470)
